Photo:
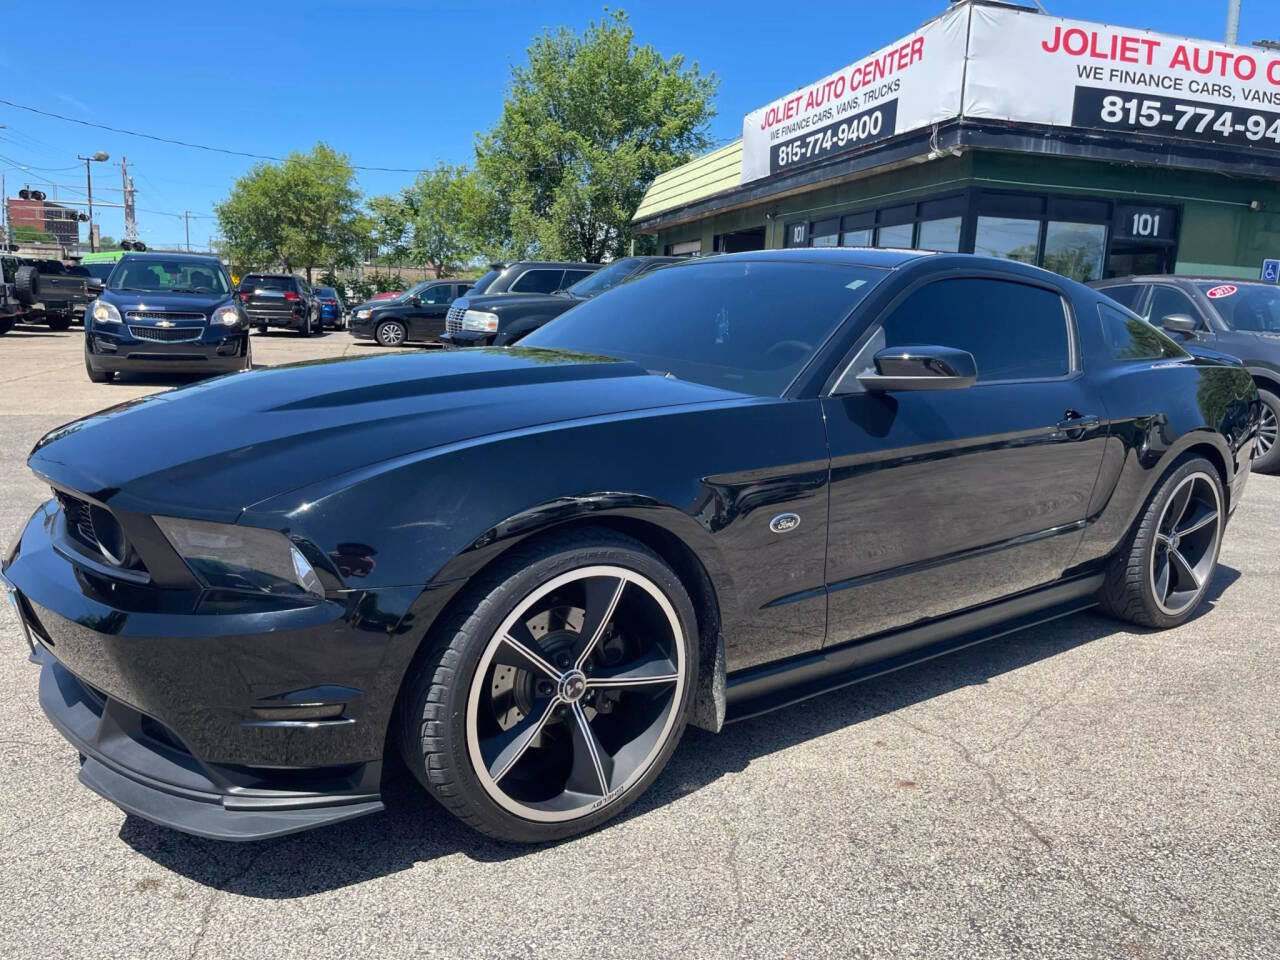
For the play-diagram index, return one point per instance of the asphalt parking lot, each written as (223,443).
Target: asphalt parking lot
(1076,790)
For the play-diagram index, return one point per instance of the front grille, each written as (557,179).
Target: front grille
(453,319)
(79,520)
(167,334)
(157,315)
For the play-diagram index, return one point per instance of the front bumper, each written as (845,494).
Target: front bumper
(116,350)
(467,338)
(161,696)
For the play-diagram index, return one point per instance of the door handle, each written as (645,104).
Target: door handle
(1076,425)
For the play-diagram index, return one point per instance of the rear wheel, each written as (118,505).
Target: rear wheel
(304,328)
(6,324)
(1161,575)
(391,333)
(58,322)
(262,328)
(557,694)
(1266,452)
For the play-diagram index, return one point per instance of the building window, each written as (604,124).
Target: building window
(858,229)
(1008,237)
(825,233)
(856,238)
(940,235)
(689,248)
(899,235)
(1075,250)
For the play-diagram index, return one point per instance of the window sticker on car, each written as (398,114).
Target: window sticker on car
(1222,290)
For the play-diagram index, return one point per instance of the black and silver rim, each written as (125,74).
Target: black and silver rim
(576,694)
(391,334)
(1268,430)
(1186,544)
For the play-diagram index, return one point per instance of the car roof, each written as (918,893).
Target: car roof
(550,263)
(1176,278)
(159,255)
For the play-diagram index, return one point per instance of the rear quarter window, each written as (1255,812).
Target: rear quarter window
(1131,338)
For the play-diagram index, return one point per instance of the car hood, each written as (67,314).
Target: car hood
(213,448)
(162,302)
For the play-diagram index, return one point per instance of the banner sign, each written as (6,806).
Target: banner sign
(909,84)
(1071,73)
(998,63)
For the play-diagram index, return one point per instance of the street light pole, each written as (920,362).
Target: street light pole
(98,157)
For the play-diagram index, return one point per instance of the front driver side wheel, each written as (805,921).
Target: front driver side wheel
(391,333)
(557,692)
(1161,575)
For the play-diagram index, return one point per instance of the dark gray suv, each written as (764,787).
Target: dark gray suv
(1236,317)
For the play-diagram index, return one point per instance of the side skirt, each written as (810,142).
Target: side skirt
(772,686)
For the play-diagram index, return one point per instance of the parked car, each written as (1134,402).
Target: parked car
(333,312)
(387,295)
(1240,318)
(280,300)
(166,313)
(729,485)
(532,276)
(415,316)
(501,319)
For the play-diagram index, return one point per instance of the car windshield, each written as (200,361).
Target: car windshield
(604,278)
(329,292)
(1249,307)
(169,276)
(743,325)
(481,285)
(415,291)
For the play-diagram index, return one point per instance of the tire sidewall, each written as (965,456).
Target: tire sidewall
(404,333)
(1271,462)
(1145,538)
(480,629)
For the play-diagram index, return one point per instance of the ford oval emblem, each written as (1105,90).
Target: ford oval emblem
(784,522)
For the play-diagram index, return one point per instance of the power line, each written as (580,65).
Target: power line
(187,143)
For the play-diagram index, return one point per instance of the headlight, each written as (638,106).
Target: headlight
(103,312)
(363,314)
(228,316)
(229,557)
(480,321)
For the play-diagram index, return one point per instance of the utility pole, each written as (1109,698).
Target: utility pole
(98,157)
(130,216)
(186,219)
(1233,21)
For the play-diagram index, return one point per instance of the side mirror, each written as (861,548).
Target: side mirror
(921,368)
(416,300)
(1179,323)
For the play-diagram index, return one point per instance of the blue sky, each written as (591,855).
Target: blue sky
(394,84)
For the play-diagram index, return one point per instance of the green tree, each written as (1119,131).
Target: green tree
(302,213)
(445,204)
(390,220)
(588,122)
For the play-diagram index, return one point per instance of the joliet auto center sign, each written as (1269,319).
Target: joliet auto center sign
(1002,64)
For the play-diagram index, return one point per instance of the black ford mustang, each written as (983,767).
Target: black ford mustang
(723,487)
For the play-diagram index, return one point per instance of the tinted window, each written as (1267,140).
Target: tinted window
(440,293)
(604,278)
(481,285)
(573,276)
(1166,301)
(1125,293)
(1132,338)
(740,325)
(1252,307)
(256,281)
(538,281)
(1007,237)
(1014,331)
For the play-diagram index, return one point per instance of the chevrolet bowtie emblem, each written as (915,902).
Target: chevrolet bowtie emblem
(164,323)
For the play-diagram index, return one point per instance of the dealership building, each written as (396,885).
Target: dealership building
(1091,149)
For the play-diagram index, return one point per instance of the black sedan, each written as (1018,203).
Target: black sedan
(166,313)
(502,319)
(732,484)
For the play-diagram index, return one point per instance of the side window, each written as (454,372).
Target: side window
(1128,294)
(1166,301)
(463,289)
(1131,338)
(573,276)
(1015,331)
(440,293)
(538,281)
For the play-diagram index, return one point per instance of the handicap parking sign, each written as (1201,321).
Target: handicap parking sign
(1271,271)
